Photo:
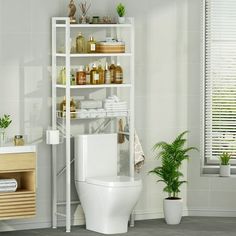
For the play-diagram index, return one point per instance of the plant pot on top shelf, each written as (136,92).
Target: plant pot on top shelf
(5,121)
(172,156)
(121,13)
(224,164)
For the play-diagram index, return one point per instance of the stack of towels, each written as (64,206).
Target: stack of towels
(8,185)
(111,107)
(115,107)
(90,109)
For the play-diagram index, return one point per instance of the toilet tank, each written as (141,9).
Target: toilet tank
(95,156)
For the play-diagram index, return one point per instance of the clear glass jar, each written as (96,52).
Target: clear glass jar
(80,44)
(19,140)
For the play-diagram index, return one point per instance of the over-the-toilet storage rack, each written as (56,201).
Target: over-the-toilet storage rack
(68,57)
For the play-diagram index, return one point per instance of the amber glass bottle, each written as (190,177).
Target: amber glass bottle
(63,107)
(94,76)
(72,108)
(87,71)
(107,74)
(112,68)
(91,45)
(101,74)
(118,74)
(81,76)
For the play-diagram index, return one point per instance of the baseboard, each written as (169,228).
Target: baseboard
(15,226)
(152,214)
(211,212)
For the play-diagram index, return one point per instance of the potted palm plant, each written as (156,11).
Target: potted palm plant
(172,156)
(224,164)
(121,13)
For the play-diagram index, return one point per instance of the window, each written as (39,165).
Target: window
(219,79)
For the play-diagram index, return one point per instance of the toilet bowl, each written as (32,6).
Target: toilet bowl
(106,198)
(108,202)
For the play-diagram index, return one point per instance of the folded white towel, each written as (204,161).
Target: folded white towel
(116,110)
(112,114)
(92,113)
(8,185)
(115,105)
(90,104)
(101,113)
(82,113)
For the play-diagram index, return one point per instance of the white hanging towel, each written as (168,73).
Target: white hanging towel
(139,157)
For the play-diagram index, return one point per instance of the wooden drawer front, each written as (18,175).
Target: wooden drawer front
(17,205)
(19,161)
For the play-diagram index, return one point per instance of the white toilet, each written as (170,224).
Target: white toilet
(107,199)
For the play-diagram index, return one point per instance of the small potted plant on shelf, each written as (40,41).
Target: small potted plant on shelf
(121,13)
(172,156)
(224,164)
(5,121)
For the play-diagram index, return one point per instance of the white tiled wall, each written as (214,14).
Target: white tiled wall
(162,77)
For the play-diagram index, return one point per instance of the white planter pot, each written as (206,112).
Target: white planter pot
(173,211)
(224,170)
(121,20)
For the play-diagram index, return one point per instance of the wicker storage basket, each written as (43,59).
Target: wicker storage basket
(110,47)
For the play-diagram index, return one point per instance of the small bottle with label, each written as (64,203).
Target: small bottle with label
(101,74)
(112,69)
(72,109)
(107,74)
(80,43)
(118,74)
(81,76)
(94,76)
(87,71)
(63,107)
(91,45)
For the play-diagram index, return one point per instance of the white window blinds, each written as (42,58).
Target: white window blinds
(220,78)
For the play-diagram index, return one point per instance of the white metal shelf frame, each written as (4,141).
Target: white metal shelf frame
(68,57)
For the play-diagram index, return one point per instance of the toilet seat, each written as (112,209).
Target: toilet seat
(115,181)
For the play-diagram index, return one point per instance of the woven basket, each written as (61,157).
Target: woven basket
(110,47)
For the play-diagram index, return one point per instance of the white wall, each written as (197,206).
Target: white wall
(161,84)
(211,196)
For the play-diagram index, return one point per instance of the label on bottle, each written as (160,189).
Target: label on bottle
(119,77)
(88,78)
(112,74)
(107,77)
(81,78)
(93,47)
(96,76)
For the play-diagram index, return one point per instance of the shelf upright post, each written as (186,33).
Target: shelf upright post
(132,70)
(132,101)
(68,128)
(54,124)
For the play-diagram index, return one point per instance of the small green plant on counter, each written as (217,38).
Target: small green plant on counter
(172,155)
(120,9)
(225,158)
(5,121)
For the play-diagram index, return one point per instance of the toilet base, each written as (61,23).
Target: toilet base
(110,226)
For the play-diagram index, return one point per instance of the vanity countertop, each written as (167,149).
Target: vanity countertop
(17,149)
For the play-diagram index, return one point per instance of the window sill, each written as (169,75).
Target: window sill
(214,170)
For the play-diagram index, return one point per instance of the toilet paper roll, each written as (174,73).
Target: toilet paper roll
(52,137)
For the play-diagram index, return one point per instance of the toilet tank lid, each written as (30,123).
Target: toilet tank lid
(115,181)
